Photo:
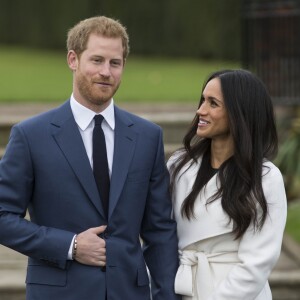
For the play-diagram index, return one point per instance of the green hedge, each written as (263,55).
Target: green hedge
(180,28)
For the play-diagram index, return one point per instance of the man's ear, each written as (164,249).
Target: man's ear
(72,60)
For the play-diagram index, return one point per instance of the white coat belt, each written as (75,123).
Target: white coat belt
(185,284)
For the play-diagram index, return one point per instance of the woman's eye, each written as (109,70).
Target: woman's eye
(213,104)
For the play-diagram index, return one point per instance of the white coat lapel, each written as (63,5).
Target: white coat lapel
(210,219)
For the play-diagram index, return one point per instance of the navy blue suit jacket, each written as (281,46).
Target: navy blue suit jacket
(46,171)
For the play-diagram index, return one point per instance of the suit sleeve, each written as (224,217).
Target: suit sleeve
(159,231)
(16,188)
(258,250)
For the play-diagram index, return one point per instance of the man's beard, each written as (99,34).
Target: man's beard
(93,94)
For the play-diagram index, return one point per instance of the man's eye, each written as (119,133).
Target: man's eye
(115,63)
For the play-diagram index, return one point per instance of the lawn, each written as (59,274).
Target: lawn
(29,75)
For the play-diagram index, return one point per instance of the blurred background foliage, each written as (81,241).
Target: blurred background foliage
(207,29)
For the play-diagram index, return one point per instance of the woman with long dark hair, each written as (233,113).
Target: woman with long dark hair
(229,198)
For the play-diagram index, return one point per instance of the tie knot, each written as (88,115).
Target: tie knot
(98,119)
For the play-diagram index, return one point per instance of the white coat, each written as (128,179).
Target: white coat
(215,266)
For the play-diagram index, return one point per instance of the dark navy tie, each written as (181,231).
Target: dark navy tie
(100,164)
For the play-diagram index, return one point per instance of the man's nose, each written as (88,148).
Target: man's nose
(105,70)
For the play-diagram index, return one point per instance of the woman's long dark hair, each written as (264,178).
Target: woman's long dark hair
(252,126)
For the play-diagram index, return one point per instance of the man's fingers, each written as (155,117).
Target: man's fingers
(99,229)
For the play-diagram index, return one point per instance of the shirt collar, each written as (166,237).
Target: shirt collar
(84,116)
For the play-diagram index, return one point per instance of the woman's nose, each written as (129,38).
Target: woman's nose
(202,109)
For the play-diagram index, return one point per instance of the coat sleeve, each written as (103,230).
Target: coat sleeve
(258,250)
(16,188)
(159,231)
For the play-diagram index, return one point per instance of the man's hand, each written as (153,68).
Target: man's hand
(91,249)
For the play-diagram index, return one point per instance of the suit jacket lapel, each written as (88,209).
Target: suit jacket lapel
(68,138)
(125,140)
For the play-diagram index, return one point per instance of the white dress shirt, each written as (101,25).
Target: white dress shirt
(84,118)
